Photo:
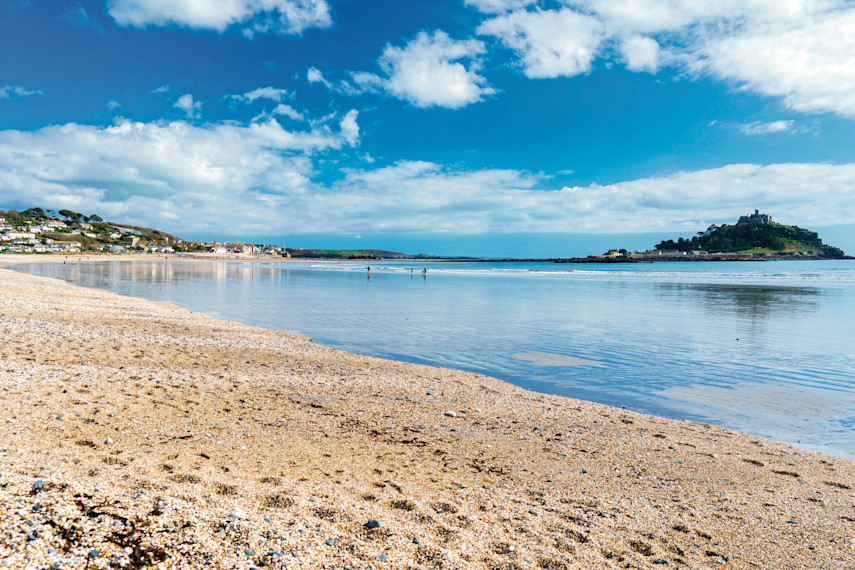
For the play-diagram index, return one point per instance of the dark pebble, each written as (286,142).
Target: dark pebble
(94,554)
(330,542)
(382,558)
(249,552)
(38,485)
(374,523)
(37,508)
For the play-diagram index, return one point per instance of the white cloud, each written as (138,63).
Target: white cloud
(254,176)
(427,72)
(258,178)
(758,128)
(427,197)
(314,75)
(349,128)
(656,16)
(14,92)
(254,16)
(683,199)
(809,63)
(192,109)
(498,6)
(802,51)
(270,93)
(641,54)
(551,43)
(287,111)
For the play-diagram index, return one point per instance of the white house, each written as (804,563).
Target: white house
(55,224)
(19,235)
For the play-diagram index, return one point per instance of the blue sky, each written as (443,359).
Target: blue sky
(485,127)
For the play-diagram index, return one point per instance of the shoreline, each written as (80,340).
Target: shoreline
(480,473)
(691,410)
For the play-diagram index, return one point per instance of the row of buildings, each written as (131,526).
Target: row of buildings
(32,238)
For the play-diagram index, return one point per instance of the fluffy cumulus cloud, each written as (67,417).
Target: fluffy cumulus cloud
(196,175)
(253,16)
(14,92)
(688,200)
(427,197)
(259,179)
(431,71)
(192,109)
(801,51)
(641,54)
(550,43)
(809,63)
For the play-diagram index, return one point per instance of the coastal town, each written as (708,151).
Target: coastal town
(45,231)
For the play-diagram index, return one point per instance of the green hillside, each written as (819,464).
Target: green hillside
(747,237)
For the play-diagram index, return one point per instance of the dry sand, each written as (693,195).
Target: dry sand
(135,433)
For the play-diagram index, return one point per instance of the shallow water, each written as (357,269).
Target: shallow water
(762,347)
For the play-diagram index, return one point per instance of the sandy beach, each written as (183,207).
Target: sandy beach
(137,434)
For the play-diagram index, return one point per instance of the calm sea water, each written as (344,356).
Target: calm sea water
(765,347)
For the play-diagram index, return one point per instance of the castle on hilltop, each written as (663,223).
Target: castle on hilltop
(756,219)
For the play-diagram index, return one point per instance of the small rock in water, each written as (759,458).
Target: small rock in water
(375,523)
(450,414)
(238,513)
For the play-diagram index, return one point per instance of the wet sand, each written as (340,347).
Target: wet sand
(136,433)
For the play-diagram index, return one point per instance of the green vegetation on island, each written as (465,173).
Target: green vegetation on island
(754,234)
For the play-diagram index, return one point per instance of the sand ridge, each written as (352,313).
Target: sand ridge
(135,434)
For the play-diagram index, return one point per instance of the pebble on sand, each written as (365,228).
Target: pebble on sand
(375,523)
